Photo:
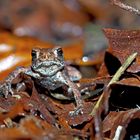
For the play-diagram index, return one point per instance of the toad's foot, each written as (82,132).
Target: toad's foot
(77,111)
(6,88)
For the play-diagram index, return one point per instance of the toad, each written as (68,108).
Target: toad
(49,71)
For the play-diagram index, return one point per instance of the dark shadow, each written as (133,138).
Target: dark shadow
(133,130)
(112,63)
(124,97)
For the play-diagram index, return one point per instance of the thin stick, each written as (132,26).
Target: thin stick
(115,78)
(126,7)
(122,69)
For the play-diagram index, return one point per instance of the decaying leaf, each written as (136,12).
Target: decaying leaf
(122,118)
(122,43)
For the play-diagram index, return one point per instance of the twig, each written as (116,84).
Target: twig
(115,78)
(122,69)
(126,7)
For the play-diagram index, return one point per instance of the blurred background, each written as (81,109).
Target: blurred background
(59,22)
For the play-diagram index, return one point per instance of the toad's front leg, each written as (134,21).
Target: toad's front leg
(77,95)
(5,88)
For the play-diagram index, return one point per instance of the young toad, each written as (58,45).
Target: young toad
(49,71)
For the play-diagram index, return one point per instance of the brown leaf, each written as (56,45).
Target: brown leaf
(122,118)
(133,82)
(33,128)
(122,43)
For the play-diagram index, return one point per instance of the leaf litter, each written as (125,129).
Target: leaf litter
(111,108)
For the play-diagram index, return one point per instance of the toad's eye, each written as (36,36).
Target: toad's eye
(58,52)
(35,54)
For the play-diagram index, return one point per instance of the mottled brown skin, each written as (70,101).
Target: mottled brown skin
(49,71)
